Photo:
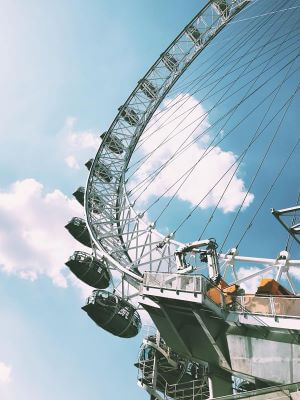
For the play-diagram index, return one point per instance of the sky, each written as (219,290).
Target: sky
(65,69)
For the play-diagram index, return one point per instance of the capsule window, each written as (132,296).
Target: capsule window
(222,8)
(103,172)
(112,142)
(170,62)
(148,89)
(129,115)
(194,35)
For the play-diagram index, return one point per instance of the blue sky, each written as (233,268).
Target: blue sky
(63,64)
(65,69)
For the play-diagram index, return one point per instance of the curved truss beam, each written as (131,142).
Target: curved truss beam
(121,235)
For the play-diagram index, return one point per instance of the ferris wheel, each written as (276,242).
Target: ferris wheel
(160,127)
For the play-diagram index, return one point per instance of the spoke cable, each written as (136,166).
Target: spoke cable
(168,203)
(229,53)
(166,140)
(248,191)
(269,191)
(181,150)
(259,167)
(203,198)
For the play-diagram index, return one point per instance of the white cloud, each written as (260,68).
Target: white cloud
(205,174)
(79,140)
(72,162)
(83,140)
(5,372)
(250,285)
(84,289)
(33,240)
(76,146)
(295,272)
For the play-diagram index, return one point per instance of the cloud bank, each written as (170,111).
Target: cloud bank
(33,241)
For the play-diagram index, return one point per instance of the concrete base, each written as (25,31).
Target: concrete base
(265,359)
(269,396)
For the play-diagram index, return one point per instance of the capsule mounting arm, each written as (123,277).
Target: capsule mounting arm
(209,255)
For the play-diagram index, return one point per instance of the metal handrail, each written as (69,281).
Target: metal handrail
(177,391)
(277,306)
(197,284)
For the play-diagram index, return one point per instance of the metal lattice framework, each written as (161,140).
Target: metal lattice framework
(127,242)
(140,261)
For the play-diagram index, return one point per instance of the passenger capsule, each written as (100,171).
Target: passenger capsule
(113,143)
(95,202)
(113,314)
(222,8)
(79,195)
(194,35)
(89,270)
(148,89)
(89,163)
(129,115)
(77,228)
(170,62)
(101,170)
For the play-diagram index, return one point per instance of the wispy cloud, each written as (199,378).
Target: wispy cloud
(77,145)
(72,162)
(5,372)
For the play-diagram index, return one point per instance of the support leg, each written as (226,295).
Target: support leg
(219,385)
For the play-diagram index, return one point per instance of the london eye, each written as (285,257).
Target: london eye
(182,177)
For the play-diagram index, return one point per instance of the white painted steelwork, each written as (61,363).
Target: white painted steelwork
(158,365)
(284,310)
(293,230)
(281,263)
(128,243)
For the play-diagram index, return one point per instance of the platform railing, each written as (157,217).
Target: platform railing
(196,389)
(196,284)
(179,282)
(277,306)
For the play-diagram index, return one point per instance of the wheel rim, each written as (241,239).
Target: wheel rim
(118,232)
